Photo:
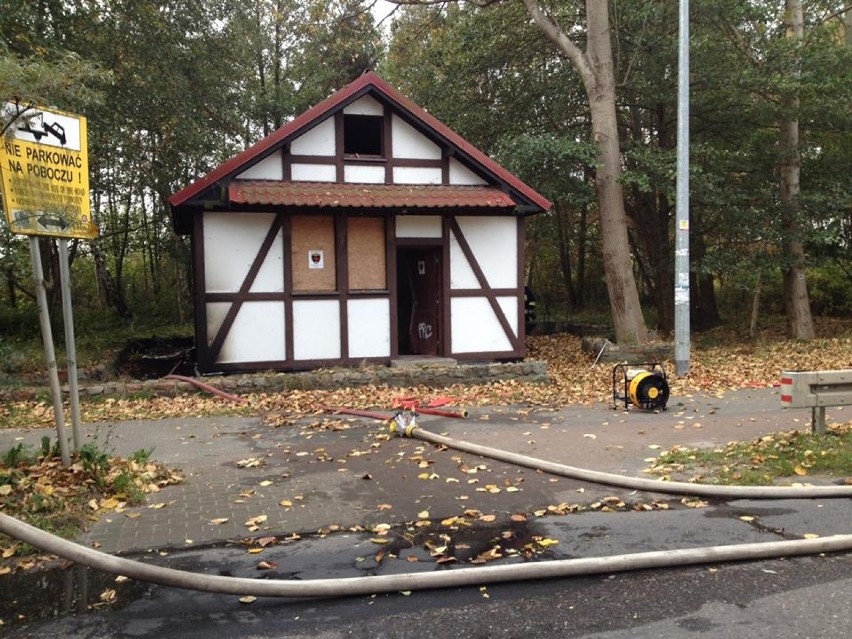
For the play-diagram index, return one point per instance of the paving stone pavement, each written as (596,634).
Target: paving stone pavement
(338,471)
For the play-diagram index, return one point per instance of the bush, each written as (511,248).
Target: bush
(830,291)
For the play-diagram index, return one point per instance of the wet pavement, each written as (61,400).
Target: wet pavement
(338,472)
(316,485)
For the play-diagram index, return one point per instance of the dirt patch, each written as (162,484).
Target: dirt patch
(156,357)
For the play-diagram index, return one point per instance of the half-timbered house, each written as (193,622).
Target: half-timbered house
(362,230)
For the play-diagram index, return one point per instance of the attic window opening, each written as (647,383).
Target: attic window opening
(362,135)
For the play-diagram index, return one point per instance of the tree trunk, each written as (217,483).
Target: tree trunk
(797,304)
(627,316)
(847,25)
(582,248)
(595,68)
(50,265)
(650,213)
(703,312)
(10,287)
(106,284)
(563,237)
(755,309)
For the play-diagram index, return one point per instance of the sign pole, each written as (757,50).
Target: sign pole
(49,353)
(44,178)
(70,346)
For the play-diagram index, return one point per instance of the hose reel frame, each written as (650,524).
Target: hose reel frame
(643,386)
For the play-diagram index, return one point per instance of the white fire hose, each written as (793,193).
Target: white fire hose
(477,575)
(405,425)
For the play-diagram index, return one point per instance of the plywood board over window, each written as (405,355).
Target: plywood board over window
(313,253)
(366,253)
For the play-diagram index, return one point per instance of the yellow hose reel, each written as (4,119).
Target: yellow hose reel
(644,386)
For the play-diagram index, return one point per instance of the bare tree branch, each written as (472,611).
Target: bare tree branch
(556,35)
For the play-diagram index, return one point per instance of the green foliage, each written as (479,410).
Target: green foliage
(95,462)
(142,455)
(828,287)
(15,455)
(173,88)
(558,165)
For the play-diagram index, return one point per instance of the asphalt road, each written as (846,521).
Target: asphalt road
(798,597)
(794,597)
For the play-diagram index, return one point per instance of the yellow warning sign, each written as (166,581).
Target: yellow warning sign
(45,172)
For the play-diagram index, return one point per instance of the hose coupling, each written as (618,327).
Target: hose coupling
(403,423)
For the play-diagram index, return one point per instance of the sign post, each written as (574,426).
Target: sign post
(44,172)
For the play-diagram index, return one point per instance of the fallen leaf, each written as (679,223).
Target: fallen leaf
(248,599)
(256,521)
(218,521)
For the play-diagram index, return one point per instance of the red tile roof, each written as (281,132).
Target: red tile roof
(330,194)
(368,82)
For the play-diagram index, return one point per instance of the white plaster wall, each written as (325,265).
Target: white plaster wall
(461,273)
(231,242)
(494,242)
(257,334)
(416,175)
(318,141)
(365,106)
(313,173)
(419,226)
(316,329)
(510,310)
(475,327)
(269,168)
(361,174)
(408,142)
(369,328)
(460,174)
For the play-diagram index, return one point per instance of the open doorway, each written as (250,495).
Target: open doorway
(419,285)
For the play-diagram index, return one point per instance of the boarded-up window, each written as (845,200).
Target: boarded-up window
(313,253)
(366,242)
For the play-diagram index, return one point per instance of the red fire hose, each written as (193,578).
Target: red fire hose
(359,413)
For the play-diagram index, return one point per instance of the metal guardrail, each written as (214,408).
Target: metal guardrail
(816,390)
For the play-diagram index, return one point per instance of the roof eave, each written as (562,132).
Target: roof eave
(349,93)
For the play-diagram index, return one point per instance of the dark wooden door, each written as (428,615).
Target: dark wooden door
(422,277)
